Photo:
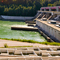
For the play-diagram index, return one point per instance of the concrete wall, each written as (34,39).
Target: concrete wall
(51,31)
(57,8)
(16,17)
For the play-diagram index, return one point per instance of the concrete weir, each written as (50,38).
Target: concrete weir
(49,30)
(23,27)
(48,22)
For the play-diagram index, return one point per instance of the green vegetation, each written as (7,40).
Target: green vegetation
(5,45)
(18,46)
(24,7)
(32,41)
(50,43)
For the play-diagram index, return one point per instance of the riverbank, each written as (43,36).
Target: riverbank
(15,18)
(31,41)
(22,36)
(15,43)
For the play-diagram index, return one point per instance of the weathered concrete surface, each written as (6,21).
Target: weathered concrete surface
(52,31)
(16,17)
(24,27)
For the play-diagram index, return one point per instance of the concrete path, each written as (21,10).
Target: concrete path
(16,43)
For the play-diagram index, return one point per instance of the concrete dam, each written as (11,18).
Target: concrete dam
(49,22)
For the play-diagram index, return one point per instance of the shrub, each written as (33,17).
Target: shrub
(5,45)
(32,41)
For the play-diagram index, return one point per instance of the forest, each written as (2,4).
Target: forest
(24,7)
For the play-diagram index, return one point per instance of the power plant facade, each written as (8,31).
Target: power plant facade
(55,8)
(48,20)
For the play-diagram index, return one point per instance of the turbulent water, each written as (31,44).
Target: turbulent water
(6,32)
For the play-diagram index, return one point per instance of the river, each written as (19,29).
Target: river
(6,32)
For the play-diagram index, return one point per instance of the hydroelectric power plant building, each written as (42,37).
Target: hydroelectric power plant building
(48,20)
(49,23)
(56,8)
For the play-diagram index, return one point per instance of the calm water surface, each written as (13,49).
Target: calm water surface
(6,32)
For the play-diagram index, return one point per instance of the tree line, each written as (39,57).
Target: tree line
(24,7)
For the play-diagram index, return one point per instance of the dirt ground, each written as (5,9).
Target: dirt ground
(16,43)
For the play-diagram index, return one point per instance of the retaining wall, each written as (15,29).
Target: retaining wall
(49,30)
(16,17)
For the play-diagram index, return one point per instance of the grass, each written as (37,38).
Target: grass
(18,46)
(5,45)
(32,41)
(50,43)
(15,46)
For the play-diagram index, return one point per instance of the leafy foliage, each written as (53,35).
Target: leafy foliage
(5,45)
(24,7)
(32,41)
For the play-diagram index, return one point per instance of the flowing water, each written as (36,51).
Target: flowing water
(6,32)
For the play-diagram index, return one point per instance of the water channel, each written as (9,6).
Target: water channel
(6,32)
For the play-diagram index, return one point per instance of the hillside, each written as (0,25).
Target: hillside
(24,7)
